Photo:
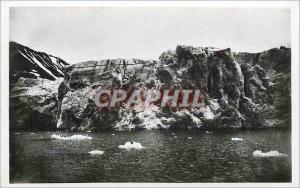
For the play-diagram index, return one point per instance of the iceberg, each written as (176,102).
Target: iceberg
(237,139)
(96,152)
(73,137)
(131,145)
(275,153)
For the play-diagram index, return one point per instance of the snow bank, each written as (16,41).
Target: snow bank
(237,139)
(185,112)
(207,113)
(275,153)
(96,152)
(129,145)
(73,137)
(43,87)
(147,119)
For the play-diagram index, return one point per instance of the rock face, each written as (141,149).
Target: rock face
(242,90)
(267,87)
(33,93)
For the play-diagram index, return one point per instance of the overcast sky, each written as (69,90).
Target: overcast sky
(81,34)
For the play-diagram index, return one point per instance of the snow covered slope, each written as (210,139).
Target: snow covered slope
(28,63)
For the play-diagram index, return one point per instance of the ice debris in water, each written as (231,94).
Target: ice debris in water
(275,153)
(32,133)
(96,152)
(113,134)
(237,139)
(190,138)
(131,145)
(73,137)
(16,133)
(208,132)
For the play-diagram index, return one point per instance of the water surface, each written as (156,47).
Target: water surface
(168,157)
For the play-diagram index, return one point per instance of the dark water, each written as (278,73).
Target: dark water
(204,158)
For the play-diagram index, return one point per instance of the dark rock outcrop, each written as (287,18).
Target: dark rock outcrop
(267,77)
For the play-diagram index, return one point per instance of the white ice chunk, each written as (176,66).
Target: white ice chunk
(275,153)
(237,139)
(73,137)
(131,145)
(96,152)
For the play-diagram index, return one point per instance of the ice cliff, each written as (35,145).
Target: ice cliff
(242,91)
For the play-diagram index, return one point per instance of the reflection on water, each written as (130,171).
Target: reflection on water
(168,157)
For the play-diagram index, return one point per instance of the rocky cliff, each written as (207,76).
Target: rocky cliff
(241,90)
(34,80)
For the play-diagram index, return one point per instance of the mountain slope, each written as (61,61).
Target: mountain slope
(28,63)
(34,80)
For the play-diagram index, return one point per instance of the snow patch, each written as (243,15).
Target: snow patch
(195,120)
(207,113)
(275,153)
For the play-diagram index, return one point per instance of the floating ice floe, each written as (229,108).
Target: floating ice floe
(275,153)
(237,139)
(208,132)
(74,137)
(190,138)
(16,133)
(96,152)
(32,133)
(131,145)
(113,134)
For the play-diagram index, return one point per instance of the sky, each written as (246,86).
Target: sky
(82,34)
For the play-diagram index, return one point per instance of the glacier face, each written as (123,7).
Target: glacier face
(242,90)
